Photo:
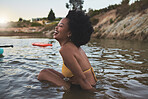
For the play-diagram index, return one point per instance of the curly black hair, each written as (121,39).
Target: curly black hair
(80,27)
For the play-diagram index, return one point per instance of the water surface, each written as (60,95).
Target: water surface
(120,66)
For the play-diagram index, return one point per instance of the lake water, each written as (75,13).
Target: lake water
(121,68)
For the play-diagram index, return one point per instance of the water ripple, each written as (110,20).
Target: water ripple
(121,68)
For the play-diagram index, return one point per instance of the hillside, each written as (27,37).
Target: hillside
(132,27)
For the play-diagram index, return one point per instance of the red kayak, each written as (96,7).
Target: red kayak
(41,44)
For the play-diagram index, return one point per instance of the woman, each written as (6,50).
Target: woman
(71,32)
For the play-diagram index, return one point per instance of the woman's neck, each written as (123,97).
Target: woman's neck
(62,43)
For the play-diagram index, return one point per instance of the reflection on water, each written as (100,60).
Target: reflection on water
(120,66)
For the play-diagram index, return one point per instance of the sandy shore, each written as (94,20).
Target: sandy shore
(22,34)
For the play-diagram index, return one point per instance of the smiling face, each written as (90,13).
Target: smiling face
(62,30)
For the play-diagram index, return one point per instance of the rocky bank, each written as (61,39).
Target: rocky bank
(133,27)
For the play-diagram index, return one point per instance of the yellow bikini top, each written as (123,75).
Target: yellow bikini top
(67,73)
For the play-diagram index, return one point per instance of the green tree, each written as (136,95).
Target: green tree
(124,8)
(125,2)
(51,15)
(20,20)
(144,4)
(139,5)
(75,4)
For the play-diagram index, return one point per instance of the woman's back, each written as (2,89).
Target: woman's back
(83,62)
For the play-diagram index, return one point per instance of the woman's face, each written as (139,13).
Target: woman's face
(62,30)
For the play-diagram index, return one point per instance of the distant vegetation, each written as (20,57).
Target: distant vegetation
(92,12)
(75,4)
(36,22)
(51,15)
(23,23)
(122,9)
(50,26)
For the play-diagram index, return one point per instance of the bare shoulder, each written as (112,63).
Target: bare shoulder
(68,54)
(67,49)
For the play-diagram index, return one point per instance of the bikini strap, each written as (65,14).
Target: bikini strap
(94,74)
(87,70)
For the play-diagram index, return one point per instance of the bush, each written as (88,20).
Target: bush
(111,21)
(94,21)
(92,12)
(58,19)
(36,24)
(50,26)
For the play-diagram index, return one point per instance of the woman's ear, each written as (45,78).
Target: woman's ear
(69,34)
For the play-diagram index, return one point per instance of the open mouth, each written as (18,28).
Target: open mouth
(55,32)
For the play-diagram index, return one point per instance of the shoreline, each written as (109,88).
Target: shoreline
(49,35)
(11,33)
(34,34)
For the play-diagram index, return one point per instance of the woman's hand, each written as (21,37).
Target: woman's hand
(66,86)
(92,90)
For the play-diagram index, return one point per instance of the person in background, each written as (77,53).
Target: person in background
(72,32)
